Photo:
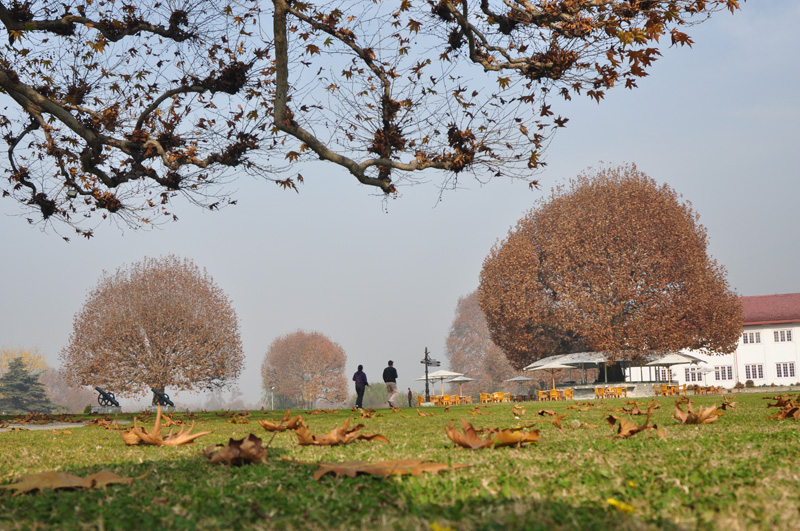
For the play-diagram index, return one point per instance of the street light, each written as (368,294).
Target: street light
(272,396)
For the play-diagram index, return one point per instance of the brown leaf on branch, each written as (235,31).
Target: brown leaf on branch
(401,467)
(238,452)
(139,435)
(61,480)
(341,435)
(704,416)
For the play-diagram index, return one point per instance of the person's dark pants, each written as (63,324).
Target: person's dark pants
(360,397)
(409,401)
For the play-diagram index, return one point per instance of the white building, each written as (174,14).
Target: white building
(767,352)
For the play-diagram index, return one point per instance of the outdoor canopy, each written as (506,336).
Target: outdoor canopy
(440,375)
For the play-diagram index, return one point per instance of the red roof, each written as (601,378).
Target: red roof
(771,309)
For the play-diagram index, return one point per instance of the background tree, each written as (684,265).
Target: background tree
(307,367)
(472,352)
(73,399)
(22,392)
(117,107)
(155,323)
(32,359)
(611,262)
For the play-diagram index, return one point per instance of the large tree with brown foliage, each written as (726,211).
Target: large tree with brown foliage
(116,107)
(610,262)
(472,352)
(306,368)
(161,322)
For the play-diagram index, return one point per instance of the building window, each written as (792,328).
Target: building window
(754,372)
(751,337)
(724,372)
(782,336)
(693,374)
(785,370)
(663,375)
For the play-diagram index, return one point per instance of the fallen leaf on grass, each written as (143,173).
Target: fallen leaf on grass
(475,411)
(727,404)
(706,415)
(366,414)
(628,428)
(321,411)
(62,432)
(790,411)
(287,423)
(60,480)
(518,411)
(341,435)
(421,414)
(557,421)
(471,439)
(19,429)
(543,412)
(139,435)
(401,467)
(4,424)
(238,452)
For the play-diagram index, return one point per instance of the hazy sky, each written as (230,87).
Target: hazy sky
(719,122)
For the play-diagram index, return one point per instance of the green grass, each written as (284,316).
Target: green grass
(738,473)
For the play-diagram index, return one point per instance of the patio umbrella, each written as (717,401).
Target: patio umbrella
(673,358)
(440,375)
(551,367)
(460,381)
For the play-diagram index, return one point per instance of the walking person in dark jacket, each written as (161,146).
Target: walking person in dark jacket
(360,378)
(390,377)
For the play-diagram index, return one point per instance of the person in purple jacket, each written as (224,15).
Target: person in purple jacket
(360,378)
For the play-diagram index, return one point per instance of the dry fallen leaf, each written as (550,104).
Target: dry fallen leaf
(543,412)
(628,428)
(421,414)
(137,435)
(402,467)
(518,411)
(471,439)
(727,404)
(60,480)
(287,423)
(238,452)
(341,435)
(704,416)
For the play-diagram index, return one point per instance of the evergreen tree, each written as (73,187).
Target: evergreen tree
(22,391)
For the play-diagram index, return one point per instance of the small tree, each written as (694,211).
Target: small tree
(307,367)
(612,262)
(156,323)
(21,391)
(471,350)
(32,359)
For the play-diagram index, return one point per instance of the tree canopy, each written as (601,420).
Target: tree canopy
(32,359)
(114,108)
(306,367)
(471,350)
(611,262)
(155,323)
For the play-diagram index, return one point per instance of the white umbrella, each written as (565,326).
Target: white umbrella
(673,358)
(519,379)
(440,375)
(460,380)
(551,367)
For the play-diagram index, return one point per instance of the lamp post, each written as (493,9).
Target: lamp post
(428,362)
(272,397)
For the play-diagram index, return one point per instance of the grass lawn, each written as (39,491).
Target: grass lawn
(740,472)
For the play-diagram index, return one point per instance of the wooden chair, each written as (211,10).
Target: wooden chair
(554,394)
(506,397)
(681,390)
(569,394)
(485,399)
(622,391)
(658,390)
(446,401)
(466,399)
(543,396)
(598,393)
(497,397)
(420,400)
